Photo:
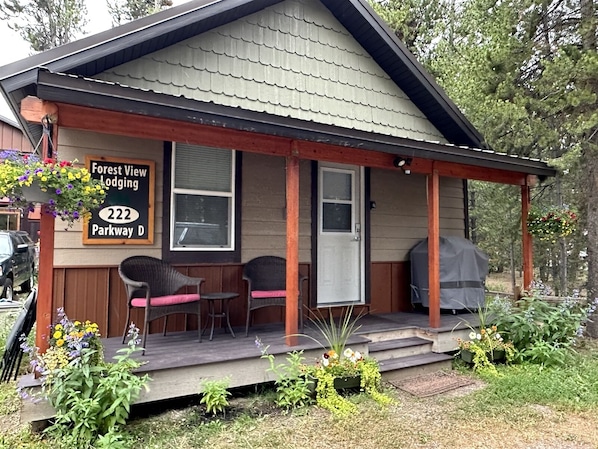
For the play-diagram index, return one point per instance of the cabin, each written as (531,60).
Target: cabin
(240,128)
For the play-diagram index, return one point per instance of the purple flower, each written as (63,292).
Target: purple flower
(58,191)
(69,186)
(75,214)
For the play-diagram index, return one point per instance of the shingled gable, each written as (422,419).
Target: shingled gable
(98,53)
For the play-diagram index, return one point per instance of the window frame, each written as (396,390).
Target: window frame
(200,255)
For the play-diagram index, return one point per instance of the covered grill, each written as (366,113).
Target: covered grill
(463,271)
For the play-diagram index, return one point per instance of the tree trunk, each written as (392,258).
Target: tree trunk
(590,162)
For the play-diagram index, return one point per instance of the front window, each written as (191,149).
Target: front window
(203,181)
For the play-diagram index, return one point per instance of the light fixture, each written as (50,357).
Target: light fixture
(403,163)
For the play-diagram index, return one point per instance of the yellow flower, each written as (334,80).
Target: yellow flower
(59,342)
(57,334)
(77,323)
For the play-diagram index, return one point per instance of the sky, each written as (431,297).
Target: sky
(17,48)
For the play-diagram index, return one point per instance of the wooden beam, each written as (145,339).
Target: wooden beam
(292,256)
(527,244)
(434,249)
(134,125)
(34,110)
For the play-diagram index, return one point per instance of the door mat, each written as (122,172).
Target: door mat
(432,384)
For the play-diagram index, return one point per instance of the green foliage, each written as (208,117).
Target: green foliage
(293,387)
(336,333)
(215,395)
(542,332)
(570,386)
(45,24)
(123,11)
(485,344)
(93,398)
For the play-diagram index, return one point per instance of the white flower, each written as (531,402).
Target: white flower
(348,353)
(357,356)
(325,362)
(472,335)
(478,336)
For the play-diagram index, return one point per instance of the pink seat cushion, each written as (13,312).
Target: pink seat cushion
(160,301)
(269,293)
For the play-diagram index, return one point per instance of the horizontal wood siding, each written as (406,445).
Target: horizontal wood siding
(74,144)
(264,208)
(400,219)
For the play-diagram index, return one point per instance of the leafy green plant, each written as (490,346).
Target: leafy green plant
(485,345)
(215,395)
(333,366)
(542,331)
(92,397)
(551,223)
(336,333)
(293,386)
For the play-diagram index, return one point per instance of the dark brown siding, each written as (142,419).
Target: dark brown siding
(98,294)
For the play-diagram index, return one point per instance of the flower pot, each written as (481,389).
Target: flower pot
(498,355)
(34,194)
(342,383)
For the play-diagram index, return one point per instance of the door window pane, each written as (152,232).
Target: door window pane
(336,217)
(336,185)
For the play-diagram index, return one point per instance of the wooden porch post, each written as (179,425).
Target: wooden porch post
(528,253)
(292,256)
(434,249)
(45,274)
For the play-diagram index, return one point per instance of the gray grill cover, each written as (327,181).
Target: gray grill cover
(463,271)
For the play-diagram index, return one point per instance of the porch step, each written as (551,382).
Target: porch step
(415,365)
(399,348)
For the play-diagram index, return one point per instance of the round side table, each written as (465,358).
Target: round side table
(224,298)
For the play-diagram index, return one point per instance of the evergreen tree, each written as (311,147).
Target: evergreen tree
(44,24)
(123,11)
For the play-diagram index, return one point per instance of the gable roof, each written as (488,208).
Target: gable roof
(98,53)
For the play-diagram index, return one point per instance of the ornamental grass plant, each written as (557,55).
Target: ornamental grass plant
(72,192)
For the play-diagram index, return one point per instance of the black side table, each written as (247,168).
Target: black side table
(224,298)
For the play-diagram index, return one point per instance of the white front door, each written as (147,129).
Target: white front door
(340,246)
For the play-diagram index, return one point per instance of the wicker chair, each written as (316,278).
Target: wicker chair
(266,285)
(154,285)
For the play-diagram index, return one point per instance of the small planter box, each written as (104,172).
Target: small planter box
(495,356)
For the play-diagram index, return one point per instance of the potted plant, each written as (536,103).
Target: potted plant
(551,223)
(69,191)
(485,346)
(339,366)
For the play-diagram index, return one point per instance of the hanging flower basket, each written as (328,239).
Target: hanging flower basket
(552,223)
(67,191)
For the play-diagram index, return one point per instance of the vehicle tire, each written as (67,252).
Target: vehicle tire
(29,283)
(7,291)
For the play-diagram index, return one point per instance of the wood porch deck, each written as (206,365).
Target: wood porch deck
(177,363)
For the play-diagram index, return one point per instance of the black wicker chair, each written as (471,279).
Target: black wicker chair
(154,285)
(266,285)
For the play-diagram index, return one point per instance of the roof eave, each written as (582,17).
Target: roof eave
(109,96)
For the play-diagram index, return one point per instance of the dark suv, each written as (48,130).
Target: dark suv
(17,262)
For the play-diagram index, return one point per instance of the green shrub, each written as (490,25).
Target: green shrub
(215,395)
(541,331)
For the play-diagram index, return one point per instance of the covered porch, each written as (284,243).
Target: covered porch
(403,343)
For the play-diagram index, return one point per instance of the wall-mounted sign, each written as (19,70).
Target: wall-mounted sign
(127,215)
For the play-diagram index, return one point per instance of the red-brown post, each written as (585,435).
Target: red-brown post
(528,251)
(292,249)
(46,260)
(434,249)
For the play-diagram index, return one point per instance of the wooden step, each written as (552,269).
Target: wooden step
(416,365)
(397,348)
